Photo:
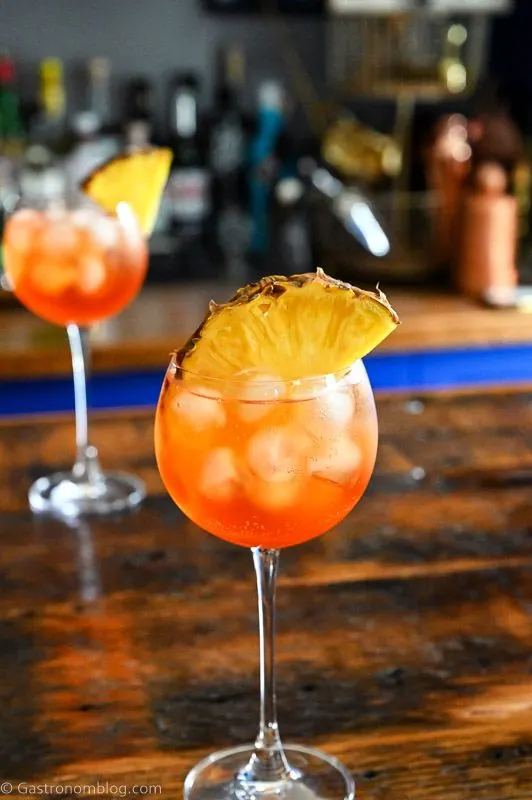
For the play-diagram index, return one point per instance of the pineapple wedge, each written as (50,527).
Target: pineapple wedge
(137,179)
(296,327)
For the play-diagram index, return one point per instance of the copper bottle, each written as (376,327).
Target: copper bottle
(486,265)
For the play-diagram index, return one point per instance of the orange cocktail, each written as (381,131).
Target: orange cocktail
(266,436)
(266,463)
(75,259)
(79,266)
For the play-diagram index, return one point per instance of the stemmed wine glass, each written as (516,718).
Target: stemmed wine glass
(268,472)
(72,264)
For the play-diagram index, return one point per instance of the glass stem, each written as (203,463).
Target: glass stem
(268,762)
(86,465)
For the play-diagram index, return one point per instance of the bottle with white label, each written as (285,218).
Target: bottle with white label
(187,193)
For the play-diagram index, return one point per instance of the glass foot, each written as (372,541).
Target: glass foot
(316,776)
(67,494)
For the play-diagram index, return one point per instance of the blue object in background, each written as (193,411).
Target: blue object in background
(270,123)
(414,372)
(448,369)
(108,390)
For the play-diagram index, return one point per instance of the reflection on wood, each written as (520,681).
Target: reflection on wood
(405,635)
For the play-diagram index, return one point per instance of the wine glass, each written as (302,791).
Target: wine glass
(72,264)
(267,465)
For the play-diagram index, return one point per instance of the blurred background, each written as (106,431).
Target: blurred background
(386,140)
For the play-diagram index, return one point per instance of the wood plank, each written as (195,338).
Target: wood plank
(128,647)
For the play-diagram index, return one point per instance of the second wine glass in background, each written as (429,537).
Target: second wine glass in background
(75,265)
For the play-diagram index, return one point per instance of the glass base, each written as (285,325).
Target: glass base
(67,494)
(316,776)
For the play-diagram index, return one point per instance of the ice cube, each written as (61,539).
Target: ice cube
(278,454)
(326,415)
(106,232)
(307,389)
(53,277)
(91,275)
(219,478)
(256,394)
(356,375)
(202,408)
(60,238)
(22,229)
(274,496)
(338,460)
(339,407)
(84,218)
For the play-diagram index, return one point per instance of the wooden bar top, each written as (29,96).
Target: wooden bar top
(129,646)
(163,317)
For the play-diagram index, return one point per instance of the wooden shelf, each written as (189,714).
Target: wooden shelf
(162,318)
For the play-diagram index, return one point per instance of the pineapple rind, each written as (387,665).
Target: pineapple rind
(294,327)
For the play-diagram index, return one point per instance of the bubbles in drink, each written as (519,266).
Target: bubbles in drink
(91,274)
(277,454)
(256,393)
(219,478)
(337,460)
(200,409)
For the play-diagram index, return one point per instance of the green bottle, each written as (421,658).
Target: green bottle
(11,127)
(11,140)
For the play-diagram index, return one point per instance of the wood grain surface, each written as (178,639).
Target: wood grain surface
(162,318)
(128,647)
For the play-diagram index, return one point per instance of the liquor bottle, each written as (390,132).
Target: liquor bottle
(99,104)
(139,126)
(291,241)
(88,151)
(139,133)
(263,162)
(228,130)
(50,126)
(11,127)
(300,6)
(95,138)
(486,263)
(227,153)
(228,6)
(42,173)
(139,100)
(188,184)
(11,142)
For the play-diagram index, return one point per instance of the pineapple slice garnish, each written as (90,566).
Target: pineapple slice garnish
(296,327)
(137,179)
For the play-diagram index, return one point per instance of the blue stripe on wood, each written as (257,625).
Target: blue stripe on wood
(417,372)
(109,390)
(451,369)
